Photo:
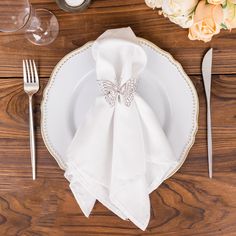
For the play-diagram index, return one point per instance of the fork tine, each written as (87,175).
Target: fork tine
(31,72)
(35,72)
(28,72)
(24,72)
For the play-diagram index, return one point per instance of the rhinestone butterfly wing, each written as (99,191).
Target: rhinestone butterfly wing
(128,90)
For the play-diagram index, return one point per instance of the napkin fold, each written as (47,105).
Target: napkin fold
(120,153)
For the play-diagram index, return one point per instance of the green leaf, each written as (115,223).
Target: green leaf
(223,26)
(224,5)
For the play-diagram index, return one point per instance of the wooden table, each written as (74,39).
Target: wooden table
(187,204)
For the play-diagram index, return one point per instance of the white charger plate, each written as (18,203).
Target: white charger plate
(164,85)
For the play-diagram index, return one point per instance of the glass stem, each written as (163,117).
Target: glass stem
(33,22)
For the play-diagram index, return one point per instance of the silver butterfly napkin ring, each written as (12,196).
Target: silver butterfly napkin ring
(113,92)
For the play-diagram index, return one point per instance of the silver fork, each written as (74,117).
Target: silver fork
(31,86)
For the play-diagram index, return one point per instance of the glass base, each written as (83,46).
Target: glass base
(43,28)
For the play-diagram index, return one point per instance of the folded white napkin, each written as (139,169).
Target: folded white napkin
(120,153)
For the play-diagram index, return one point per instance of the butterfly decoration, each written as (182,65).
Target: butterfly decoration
(114,92)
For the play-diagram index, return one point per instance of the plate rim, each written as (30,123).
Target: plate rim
(154,47)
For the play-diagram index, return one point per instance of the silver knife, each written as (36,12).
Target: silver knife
(206,73)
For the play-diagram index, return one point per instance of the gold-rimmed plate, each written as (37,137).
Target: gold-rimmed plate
(163,84)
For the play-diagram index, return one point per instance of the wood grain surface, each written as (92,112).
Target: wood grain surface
(187,204)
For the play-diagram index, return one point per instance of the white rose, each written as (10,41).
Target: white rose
(180,11)
(216,2)
(154,3)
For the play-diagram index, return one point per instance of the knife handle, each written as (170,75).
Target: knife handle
(209,137)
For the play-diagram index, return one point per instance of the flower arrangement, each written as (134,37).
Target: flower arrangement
(204,18)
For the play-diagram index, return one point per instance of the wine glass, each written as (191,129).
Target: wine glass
(40,25)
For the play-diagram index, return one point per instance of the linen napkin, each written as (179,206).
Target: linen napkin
(120,153)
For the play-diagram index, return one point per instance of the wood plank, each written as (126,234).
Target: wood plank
(187,204)
(78,28)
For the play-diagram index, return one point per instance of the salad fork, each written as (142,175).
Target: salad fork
(31,86)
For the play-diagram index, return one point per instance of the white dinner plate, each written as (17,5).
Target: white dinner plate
(164,85)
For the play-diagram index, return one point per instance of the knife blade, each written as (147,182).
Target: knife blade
(206,74)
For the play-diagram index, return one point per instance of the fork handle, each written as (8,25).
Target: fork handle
(209,138)
(32,140)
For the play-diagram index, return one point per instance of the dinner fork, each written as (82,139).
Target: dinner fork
(31,86)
